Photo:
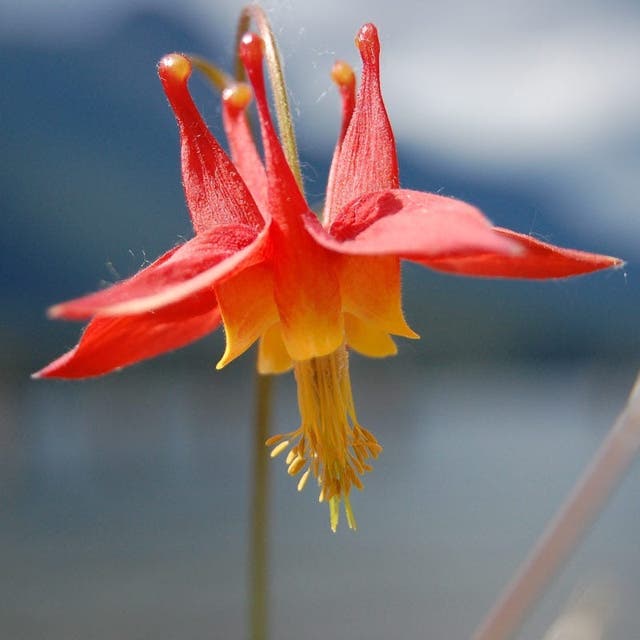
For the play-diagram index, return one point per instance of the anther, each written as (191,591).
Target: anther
(296,466)
(303,479)
(273,439)
(279,449)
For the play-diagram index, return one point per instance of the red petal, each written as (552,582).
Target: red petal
(306,288)
(411,224)
(367,160)
(214,191)
(190,270)
(539,260)
(244,154)
(286,202)
(112,343)
(342,74)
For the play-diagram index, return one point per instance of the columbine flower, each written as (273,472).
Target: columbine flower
(263,265)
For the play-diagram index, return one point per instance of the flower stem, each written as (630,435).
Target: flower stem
(587,499)
(259,523)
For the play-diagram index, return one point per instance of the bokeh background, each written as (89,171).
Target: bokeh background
(124,500)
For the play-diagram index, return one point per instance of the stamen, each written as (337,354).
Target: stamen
(303,479)
(351,520)
(329,439)
(279,449)
(273,440)
(334,513)
(296,466)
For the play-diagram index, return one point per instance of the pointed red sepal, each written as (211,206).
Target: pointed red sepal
(344,77)
(537,261)
(235,100)
(367,160)
(411,224)
(183,276)
(286,202)
(342,74)
(112,343)
(214,191)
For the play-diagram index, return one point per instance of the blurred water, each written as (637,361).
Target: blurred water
(123,505)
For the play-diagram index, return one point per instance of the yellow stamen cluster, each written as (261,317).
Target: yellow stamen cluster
(329,442)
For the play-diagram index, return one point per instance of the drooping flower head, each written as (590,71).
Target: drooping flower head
(263,264)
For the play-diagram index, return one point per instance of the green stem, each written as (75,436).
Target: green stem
(259,525)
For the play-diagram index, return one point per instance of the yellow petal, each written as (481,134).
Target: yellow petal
(272,354)
(247,308)
(307,294)
(370,289)
(367,339)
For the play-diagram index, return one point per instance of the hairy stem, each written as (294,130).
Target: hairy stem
(259,524)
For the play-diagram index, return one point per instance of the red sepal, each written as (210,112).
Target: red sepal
(180,274)
(411,224)
(367,160)
(538,260)
(111,343)
(244,154)
(214,191)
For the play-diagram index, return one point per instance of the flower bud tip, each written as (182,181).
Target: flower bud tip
(251,49)
(368,43)
(174,67)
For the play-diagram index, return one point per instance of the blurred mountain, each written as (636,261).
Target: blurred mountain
(90,190)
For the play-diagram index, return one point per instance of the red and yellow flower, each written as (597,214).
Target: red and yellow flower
(307,290)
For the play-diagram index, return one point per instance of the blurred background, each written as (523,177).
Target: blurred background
(124,500)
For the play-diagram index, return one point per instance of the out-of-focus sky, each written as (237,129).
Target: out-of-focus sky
(544,87)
